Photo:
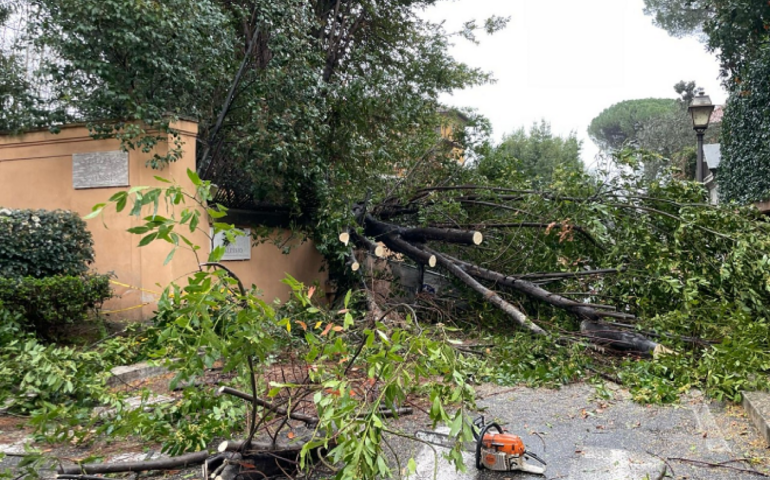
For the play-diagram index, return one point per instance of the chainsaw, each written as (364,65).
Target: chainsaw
(497,451)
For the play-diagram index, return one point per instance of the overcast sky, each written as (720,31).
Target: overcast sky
(565,61)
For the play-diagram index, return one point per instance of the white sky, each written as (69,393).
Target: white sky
(565,61)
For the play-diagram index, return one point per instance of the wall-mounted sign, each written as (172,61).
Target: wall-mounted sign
(239,250)
(100,169)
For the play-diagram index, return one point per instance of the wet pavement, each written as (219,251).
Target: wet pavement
(583,436)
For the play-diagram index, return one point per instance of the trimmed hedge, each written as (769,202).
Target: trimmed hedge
(42,243)
(46,303)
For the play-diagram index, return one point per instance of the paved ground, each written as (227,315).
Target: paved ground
(583,437)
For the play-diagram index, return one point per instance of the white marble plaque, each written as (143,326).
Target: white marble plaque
(100,169)
(240,249)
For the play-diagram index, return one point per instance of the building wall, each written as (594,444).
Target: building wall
(36,172)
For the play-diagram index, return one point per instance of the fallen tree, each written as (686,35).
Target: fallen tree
(602,266)
(622,258)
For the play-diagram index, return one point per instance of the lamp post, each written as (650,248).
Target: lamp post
(700,110)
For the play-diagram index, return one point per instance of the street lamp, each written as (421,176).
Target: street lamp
(700,110)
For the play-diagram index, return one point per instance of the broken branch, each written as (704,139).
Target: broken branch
(310,420)
(171,463)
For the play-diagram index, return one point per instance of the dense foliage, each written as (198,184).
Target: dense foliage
(347,366)
(741,36)
(45,305)
(33,374)
(687,271)
(308,100)
(330,107)
(18,106)
(535,155)
(737,32)
(41,243)
(743,175)
(44,260)
(679,17)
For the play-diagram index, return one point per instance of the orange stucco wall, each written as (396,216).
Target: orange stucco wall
(36,172)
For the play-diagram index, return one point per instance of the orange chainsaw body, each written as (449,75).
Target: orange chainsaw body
(504,442)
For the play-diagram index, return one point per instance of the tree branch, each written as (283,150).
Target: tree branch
(171,463)
(310,420)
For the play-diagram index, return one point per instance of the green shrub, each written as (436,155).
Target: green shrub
(41,243)
(46,303)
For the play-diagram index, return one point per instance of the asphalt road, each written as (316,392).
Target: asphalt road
(583,437)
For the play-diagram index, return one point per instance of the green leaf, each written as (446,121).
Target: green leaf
(194,178)
(97,210)
(147,239)
(121,203)
(169,257)
(139,230)
(194,220)
(411,467)
(216,254)
(213,213)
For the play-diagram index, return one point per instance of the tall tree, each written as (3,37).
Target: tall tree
(535,155)
(621,123)
(679,17)
(296,96)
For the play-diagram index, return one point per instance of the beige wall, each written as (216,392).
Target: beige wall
(36,172)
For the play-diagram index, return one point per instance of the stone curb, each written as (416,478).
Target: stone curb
(140,371)
(757,404)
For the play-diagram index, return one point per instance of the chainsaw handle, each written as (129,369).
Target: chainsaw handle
(480,440)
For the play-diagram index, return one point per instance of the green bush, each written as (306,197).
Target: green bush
(42,243)
(45,303)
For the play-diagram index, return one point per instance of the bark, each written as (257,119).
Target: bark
(604,334)
(492,297)
(411,242)
(450,235)
(375,228)
(399,245)
(363,242)
(541,225)
(239,445)
(171,463)
(231,95)
(533,291)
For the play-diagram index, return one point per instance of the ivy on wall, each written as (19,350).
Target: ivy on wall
(744,174)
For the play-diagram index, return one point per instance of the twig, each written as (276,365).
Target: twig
(388,412)
(664,460)
(718,465)
(493,394)
(606,376)
(537,434)
(253,426)
(460,348)
(229,272)
(78,477)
